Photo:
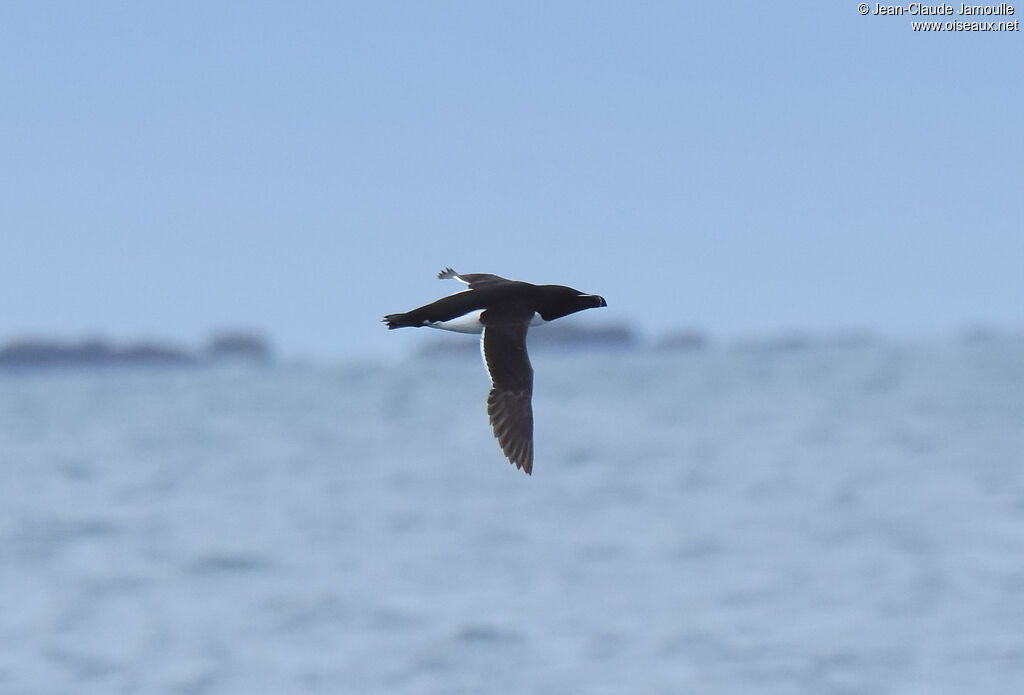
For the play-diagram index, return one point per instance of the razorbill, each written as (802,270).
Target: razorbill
(502,311)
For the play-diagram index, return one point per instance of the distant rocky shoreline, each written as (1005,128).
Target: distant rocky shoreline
(233,346)
(253,348)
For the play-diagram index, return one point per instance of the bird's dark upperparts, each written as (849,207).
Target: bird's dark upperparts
(502,310)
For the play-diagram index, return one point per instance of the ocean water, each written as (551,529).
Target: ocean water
(818,520)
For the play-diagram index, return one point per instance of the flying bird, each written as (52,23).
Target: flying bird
(502,311)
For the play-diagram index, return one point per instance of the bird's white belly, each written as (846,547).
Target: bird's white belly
(467,323)
(470,323)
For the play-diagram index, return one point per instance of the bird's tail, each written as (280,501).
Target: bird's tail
(399,321)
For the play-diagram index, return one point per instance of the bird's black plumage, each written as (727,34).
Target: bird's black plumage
(503,311)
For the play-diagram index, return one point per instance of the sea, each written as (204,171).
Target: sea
(787,519)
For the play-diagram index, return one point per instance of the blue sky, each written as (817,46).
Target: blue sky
(303,168)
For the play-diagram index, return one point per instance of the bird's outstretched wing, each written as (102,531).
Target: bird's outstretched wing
(508,403)
(474,280)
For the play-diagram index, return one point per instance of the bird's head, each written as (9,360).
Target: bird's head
(563,301)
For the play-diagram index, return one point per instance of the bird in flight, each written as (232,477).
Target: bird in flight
(502,311)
